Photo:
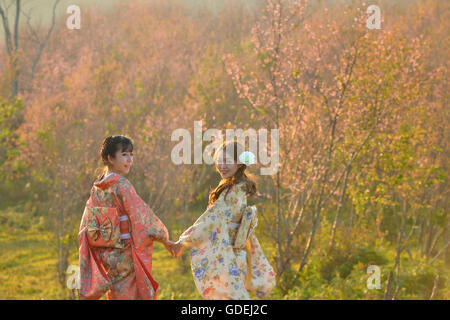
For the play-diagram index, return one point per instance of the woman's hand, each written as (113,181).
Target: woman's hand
(174,248)
(177,248)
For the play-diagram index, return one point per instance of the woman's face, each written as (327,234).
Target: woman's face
(226,165)
(122,162)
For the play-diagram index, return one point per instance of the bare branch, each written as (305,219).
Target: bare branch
(44,42)
(440,252)
(16,26)
(6,30)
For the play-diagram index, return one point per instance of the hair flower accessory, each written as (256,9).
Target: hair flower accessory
(247,158)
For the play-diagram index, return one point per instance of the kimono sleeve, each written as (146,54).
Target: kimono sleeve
(201,231)
(144,223)
(93,280)
(262,276)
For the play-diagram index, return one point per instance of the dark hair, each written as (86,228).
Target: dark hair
(110,146)
(239,176)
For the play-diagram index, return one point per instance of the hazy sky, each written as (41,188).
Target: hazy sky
(42,9)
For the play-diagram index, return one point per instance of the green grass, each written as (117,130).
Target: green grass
(27,266)
(28,262)
(174,277)
(28,269)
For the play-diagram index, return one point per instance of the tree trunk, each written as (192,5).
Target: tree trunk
(339,209)
(435,288)
(387,292)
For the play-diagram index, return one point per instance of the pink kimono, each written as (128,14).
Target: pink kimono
(120,273)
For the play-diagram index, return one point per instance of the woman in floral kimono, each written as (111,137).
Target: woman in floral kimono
(122,271)
(226,258)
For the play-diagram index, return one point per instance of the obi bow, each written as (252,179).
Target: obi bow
(105,229)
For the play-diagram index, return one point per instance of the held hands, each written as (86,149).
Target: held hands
(174,248)
(178,248)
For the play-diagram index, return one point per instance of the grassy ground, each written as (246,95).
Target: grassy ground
(28,266)
(28,260)
(28,269)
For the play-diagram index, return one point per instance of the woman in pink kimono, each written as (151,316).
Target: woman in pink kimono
(112,261)
(227,261)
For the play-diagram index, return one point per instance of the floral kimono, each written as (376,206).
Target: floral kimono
(121,273)
(226,258)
